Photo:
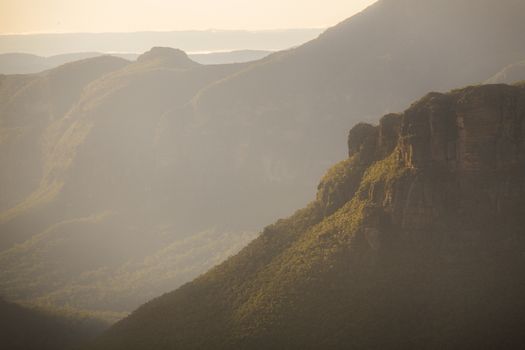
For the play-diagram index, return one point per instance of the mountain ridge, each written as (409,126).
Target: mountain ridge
(23,63)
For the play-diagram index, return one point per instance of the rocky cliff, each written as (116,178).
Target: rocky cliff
(458,161)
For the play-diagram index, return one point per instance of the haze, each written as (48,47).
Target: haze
(257,175)
(50,16)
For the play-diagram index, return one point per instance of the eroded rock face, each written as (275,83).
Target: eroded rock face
(461,163)
(472,131)
(462,159)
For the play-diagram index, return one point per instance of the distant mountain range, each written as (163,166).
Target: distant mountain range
(415,241)
(189,41)
(21,63)
(107,163)
(510,74)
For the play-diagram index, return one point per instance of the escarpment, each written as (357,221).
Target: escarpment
(460,165)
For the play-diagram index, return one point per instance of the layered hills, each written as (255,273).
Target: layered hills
(70,157)
(106,162)
(23,63)
(47,44)
(414,241)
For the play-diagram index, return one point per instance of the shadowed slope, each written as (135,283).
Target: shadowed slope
(24,328)
(107,170)
(29,104)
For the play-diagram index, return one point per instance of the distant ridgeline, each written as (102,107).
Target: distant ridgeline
(47,44)
(415,241)
(20,63)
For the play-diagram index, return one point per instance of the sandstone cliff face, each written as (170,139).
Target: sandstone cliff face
(461,156)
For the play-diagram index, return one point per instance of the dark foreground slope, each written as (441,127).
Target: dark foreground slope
(415,241)
(23,328)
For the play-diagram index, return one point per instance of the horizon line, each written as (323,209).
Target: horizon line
(209,30)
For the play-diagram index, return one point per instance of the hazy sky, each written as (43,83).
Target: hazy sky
(44,16)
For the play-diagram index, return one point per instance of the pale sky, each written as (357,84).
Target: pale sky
(50,16)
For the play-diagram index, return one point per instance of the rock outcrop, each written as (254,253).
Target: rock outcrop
(166,57)
(461,155)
